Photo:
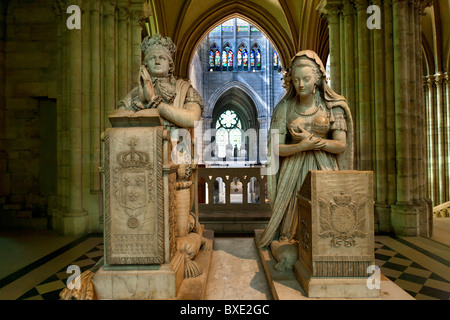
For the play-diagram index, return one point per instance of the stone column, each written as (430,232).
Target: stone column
(109,60)
(413,103)
(75,218)
(424,202)
(333,12)
(428,137)
(387,30)
(348,87)
(440,132)
(446,99)
(4,174)
(62,125)
(122,50)
(136,30)
(382,207)
(404,215)
(434,190)
(95,99)
(364,141)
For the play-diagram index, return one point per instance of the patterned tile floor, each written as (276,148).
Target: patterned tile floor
(50,288)
(409,269)
(411,276)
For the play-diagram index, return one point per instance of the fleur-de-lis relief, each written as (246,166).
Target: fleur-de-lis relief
(140,181)
(126,181)
(133,195)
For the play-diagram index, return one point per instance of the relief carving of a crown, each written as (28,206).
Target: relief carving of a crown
(158,42)
(342,199)
(132,158)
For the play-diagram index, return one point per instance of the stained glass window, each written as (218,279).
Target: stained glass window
(235,137)
(224,58)
(228,119)
(245,58)
(229,130)
(211,58)
(252,58)
(275,59)
(239,58)
(221,142)
(258,58)
(217,58)
(230,58)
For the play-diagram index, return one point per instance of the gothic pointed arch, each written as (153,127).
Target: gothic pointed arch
(260,18)
(260,106)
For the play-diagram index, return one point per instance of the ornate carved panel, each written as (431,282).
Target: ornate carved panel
(336,223)
(134,214)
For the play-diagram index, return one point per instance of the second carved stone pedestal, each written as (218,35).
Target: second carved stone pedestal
(336,234)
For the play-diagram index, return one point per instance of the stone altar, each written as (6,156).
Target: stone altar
(336,234)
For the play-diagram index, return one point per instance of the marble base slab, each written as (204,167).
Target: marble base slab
(329,287)
(139,282)
(285,286)
(154,282)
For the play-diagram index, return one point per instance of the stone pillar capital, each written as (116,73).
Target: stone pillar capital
(439,78)
(59,6)
(348,8)
(95,7)
(109,8)
(378,2)
(362,5)
(424,4)
(123,13)
(330,9)
(425,81)
(430,81)
(136,16)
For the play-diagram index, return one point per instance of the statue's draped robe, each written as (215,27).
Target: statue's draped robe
(284,185)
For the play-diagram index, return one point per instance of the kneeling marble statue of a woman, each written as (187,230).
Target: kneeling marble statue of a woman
(315,132)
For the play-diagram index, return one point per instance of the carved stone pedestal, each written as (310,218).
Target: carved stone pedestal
(139,282)
(336,234)
(141,257)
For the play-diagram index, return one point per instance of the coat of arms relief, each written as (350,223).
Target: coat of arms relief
(342,220)
(133,182)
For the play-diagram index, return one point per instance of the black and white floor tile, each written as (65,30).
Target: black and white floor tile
(411,276)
